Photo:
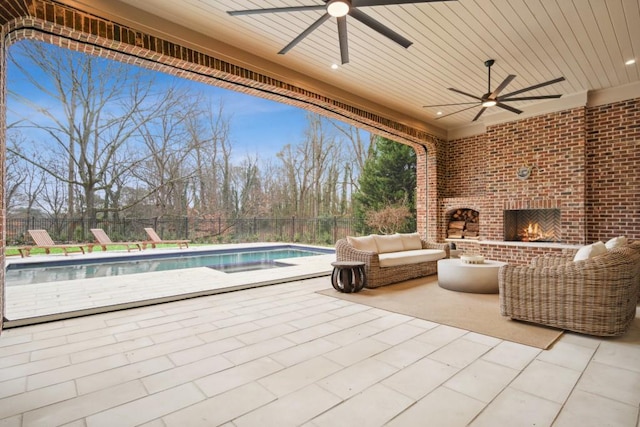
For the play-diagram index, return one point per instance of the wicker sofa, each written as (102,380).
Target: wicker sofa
(595,296)
(392,258)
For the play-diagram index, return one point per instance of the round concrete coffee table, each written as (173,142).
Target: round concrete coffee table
(455,275)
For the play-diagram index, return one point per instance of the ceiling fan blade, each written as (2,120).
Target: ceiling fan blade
(449,105)
(529,98)
(508,107)
(500,88)
(276,10)
(539,85)
(455,112)
(358,3)
(304,34)
(465,93)
(482,110)
(381,28)
(342,36)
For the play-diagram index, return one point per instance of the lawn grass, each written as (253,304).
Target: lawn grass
(11,251)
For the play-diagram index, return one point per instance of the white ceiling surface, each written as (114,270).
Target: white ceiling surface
(586,41)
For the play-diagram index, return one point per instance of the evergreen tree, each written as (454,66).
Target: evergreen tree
(388,180)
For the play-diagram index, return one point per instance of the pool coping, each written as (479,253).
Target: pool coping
(90,257)
(38,303)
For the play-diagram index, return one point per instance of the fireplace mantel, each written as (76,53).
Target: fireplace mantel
(511,252)
(553,245)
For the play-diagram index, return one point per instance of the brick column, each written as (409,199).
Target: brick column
(3,146)
(421,190)
(427,212)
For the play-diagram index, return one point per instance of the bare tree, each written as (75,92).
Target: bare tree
(123,145)
(25,181)
(249,199)
(310,168)
(226,180)
(86,111)
(170,144)
(275,189)
(53,196)
(356,152)
(17,174)
(209,133)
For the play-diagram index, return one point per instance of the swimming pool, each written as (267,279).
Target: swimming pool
(229,261)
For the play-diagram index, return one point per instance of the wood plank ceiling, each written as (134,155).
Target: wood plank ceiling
(586,41)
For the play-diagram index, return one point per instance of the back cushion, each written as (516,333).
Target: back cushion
(590,251)
(411,241)
(364,243)
(389,243)
(616,242)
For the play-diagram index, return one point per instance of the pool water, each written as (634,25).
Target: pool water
(230,262)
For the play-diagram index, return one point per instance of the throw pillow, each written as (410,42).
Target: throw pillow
(616,242)
(364,243)
(590,251)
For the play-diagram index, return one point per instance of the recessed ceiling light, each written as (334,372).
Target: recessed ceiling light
(334,66)
(439,113)
(630,62)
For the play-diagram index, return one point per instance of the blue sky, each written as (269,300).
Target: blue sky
(261,125)
(258,126)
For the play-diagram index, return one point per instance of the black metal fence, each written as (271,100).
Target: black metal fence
(321,231)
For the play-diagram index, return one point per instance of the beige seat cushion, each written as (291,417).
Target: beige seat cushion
(363,243)
(392,259)
(389,243)
(411,241)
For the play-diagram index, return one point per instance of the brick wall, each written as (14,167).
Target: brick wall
(482,170)
(466,161)
(613,170)
(586,162)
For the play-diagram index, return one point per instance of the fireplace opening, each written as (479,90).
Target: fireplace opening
(463,223)
(532,225)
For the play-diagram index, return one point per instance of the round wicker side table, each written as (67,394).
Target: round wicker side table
(348,276)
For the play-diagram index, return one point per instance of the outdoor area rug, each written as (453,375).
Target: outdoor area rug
(424,299)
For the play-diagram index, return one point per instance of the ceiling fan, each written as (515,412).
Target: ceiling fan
(493,98)
(340,9)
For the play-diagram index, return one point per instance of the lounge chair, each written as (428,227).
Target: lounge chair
(155,239)
(42,240)
(103,241)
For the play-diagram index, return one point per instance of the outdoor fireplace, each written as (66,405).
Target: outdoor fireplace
(532,225)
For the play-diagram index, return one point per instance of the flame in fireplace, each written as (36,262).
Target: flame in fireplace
(534,232)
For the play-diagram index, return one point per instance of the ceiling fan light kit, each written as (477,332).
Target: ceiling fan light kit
(340,9)
(494,99)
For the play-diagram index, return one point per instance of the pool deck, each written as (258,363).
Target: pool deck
(72,298)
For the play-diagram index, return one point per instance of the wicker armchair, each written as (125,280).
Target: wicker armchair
(597,296)
(380,276)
